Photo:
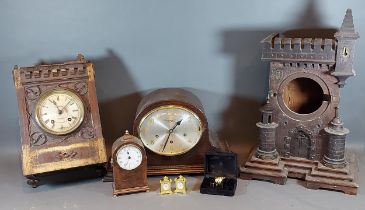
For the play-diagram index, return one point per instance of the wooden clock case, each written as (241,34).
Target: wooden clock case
(44,154)
(129,181)
(187,163)
(301,134)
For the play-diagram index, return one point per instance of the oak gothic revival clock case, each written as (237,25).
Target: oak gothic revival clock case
(59,118)
(301,134)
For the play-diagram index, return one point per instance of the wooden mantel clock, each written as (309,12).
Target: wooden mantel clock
(59,118)
(129,164)
(173,127)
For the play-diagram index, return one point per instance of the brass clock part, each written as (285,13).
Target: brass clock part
(180,185)
(165,185)
(59,120)
(174,129)
(59,111)
(218,181)
(129,164)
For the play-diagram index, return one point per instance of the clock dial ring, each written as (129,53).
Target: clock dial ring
(129,151)
(181,131)
(47,103)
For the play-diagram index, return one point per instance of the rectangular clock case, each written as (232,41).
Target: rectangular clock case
(220,164)
(43,153)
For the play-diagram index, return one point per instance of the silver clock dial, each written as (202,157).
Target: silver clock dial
(170,130)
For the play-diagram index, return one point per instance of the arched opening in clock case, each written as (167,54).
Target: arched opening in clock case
(303,95)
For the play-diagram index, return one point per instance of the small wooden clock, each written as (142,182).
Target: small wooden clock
(129,164)
(172,125)
(59,118)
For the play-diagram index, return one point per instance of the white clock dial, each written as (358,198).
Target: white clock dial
(129,157)
(166,186)
(59,111)
(179,185)
(170,130)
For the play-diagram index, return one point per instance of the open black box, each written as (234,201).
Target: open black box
(220,164)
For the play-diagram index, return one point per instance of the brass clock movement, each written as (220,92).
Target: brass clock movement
(59,118)
(129,164)
(172,125)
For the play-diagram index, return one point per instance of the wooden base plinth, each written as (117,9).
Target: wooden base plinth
(130,190)
(270,170)
(67,175)
(159,170)
(314,173)
(177,169)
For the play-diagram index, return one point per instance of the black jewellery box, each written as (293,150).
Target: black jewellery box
(220,174)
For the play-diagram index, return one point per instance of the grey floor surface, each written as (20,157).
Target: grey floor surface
(94,194)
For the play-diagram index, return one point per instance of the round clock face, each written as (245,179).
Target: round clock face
(129,157)
(59,111)
(166,186)
(179,185)
(170,130)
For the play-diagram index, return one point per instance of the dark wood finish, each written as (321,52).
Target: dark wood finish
(43,153)
(314,173)
(129,181)
(306,75)
(190,162)
(223,165)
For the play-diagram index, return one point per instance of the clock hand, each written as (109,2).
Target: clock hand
(170,131)
(65,105)
(167,140)
(53,102)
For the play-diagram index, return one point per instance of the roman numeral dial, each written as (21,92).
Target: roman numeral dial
(59,111)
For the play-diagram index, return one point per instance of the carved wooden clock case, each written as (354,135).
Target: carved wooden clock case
(72,137)
(301,134)
(179,101)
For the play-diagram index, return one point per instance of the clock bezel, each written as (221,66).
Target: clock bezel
(171,106)
(129,145)
(80,103)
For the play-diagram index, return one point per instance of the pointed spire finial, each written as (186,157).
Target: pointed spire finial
(268,98)
(80,57)
(347,28)
(267,107)
(348,23)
